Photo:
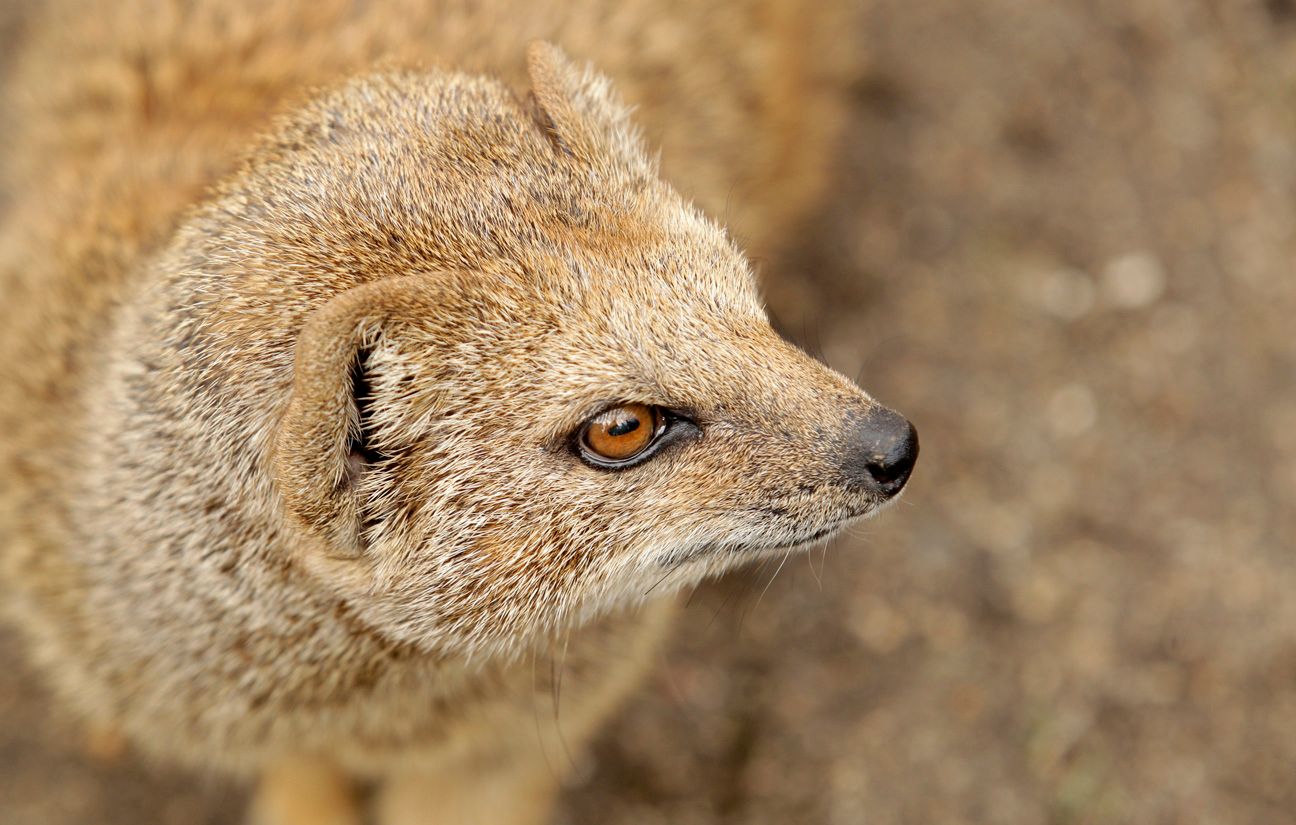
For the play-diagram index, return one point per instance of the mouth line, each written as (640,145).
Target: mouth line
(817,535)
(741,548)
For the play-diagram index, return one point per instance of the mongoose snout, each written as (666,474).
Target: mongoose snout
(881,450)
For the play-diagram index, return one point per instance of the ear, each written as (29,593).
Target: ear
(581,112)
(324,441)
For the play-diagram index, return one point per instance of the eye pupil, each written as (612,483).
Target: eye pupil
(623,427)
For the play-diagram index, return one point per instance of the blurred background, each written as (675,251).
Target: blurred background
(1063,246)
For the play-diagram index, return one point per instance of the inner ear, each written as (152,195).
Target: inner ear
(333,431)
(361,454)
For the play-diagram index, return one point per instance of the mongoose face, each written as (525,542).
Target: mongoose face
(528,382)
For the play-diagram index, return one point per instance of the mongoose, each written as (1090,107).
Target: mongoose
(353,362)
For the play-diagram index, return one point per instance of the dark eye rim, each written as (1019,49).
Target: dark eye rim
(673,426)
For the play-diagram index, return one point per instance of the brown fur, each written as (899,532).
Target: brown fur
(199,556)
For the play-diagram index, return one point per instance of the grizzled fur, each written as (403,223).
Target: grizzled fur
(288,483)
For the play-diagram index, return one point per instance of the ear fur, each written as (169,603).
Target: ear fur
(581,111)
(315,456)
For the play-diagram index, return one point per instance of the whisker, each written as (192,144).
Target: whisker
(818,574)
(747,588)
(673,568)
(689,601)
(557,681)
(716,615)
(555,688)
(544,752)
(777,570)
(748,584)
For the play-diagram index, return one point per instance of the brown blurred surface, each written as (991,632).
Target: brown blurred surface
(1063,246)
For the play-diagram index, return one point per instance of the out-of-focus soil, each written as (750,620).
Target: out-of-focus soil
(1062,244)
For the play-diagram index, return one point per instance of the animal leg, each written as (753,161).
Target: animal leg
(305,792)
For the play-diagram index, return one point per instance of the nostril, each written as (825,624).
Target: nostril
(883,454)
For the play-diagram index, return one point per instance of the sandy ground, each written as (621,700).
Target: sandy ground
(1063,246)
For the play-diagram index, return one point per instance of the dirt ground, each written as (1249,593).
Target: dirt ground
(1063,245)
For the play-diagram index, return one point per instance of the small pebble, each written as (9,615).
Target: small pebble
(1133,281)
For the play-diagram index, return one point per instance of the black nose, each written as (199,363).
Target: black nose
(881,449)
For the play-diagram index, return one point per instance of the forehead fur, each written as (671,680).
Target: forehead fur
(404,172)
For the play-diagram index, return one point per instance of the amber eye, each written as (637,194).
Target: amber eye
(620,433)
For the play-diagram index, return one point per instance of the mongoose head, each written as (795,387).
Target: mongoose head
(511,379)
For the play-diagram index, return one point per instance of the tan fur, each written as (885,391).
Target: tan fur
(195,552)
